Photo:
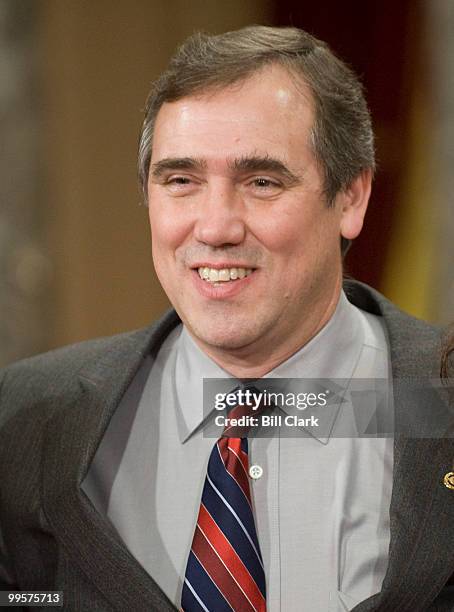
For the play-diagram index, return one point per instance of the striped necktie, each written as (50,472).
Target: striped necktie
(225,567)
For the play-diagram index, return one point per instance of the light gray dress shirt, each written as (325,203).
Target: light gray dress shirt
(321,504)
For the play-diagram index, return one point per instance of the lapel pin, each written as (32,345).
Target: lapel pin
(448,480)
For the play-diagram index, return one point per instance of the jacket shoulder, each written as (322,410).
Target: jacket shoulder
(46,378)
(415,344)
(53,377)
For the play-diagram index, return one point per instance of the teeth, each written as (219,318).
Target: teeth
(226,274)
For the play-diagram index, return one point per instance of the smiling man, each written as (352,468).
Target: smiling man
(244,239)
(256,160)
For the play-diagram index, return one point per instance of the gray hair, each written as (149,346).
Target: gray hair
(342,138)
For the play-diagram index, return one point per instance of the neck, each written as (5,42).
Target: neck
(260,357)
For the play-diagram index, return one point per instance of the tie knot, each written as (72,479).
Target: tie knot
(245,413)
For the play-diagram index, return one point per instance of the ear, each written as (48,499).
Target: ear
(352,203)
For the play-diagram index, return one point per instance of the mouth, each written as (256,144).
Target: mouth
(219,276)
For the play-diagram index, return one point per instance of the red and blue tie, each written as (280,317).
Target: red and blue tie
(225,567)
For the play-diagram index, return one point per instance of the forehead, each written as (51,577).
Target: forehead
(271,112)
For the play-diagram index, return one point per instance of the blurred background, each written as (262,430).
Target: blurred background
(75,255)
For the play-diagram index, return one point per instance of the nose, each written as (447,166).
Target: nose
(220,219)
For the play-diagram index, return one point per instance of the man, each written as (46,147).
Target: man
(256,159)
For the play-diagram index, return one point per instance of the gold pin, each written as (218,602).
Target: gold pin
(448,480)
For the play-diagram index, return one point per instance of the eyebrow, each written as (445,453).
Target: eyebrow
(245,163)
(176,163)
(265,163)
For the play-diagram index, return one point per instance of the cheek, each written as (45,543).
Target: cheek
(298,242)
(169,228)
(283,233)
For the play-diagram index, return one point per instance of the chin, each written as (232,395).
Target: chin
(221,337)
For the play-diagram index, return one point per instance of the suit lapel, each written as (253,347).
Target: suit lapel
(72,437)
(421,557)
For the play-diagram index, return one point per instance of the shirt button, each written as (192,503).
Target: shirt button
(255,471)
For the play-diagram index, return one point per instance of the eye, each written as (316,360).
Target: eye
(264,186)
(264,183)
(180,185)
(178,180)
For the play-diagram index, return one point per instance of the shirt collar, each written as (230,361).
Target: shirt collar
(332,353)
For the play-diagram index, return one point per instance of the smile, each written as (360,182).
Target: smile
(223,275)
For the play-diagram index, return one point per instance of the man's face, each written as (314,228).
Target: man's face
(236,196)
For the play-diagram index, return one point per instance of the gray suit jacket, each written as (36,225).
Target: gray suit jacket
(54,409)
